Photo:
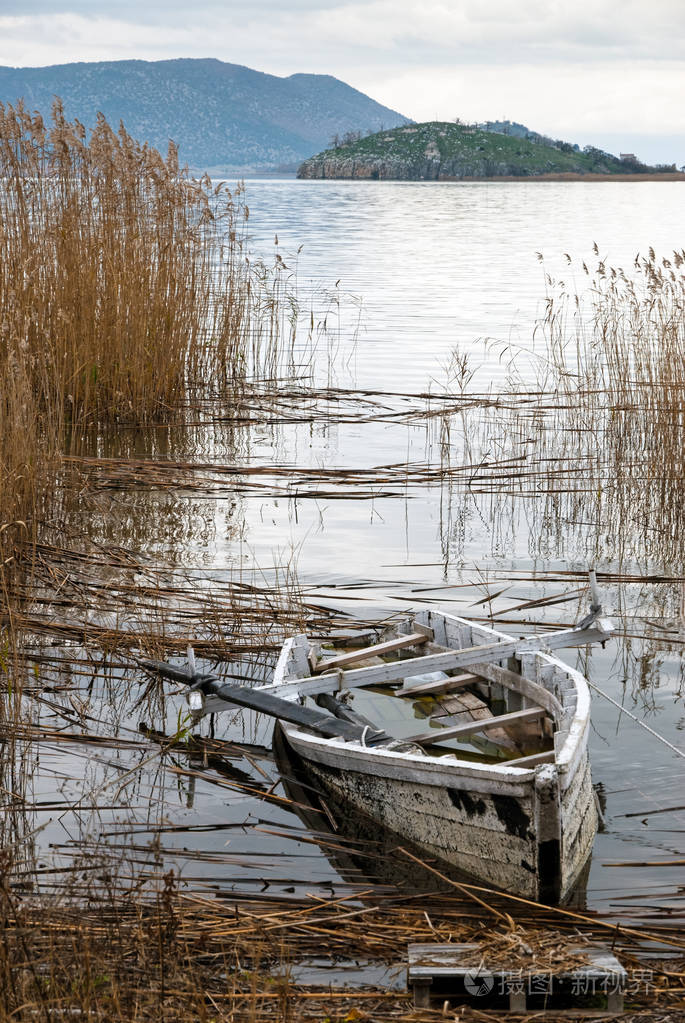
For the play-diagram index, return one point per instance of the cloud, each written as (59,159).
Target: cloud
(30,41)
(503,32)
(308,32)
(562,68)
(577,98)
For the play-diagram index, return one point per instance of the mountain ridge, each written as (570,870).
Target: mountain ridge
(223,117)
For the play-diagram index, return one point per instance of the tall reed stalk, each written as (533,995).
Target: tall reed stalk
(597,441)
(122,281)
(620,373)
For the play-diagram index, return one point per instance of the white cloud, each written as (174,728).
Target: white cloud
(30,41)
(572,99)
(501,31)
(306,32)
(561,68)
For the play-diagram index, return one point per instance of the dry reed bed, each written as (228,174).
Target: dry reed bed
(287,402)
(123,283)
(301,481)
(117,600)
(198,957)
(104,603)
(603,426)
(131,960)
(201,958)
(227,772)
(99,946)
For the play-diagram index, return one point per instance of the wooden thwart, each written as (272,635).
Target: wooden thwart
(501,721)
(377,650)
(450,660)
(440,685)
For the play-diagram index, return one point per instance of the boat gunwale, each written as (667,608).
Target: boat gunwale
(434,770)
(566,758)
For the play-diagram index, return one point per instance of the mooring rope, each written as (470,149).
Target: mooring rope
(636,719)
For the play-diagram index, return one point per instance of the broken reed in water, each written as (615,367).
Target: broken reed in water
(190,956)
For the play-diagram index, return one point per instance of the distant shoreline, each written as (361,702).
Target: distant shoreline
(569,176)
(276,175)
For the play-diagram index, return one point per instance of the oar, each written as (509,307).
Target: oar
(266,703)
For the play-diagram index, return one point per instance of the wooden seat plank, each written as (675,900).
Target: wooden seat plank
(501,721)
(377,650)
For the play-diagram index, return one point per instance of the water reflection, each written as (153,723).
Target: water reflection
(325,506)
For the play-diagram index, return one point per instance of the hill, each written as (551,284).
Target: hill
(224,118)
(442,150)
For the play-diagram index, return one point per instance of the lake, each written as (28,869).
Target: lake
(402,275)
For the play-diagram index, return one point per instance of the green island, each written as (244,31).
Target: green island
(443,151)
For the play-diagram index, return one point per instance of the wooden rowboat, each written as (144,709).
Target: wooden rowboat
(497,781)
(518,820)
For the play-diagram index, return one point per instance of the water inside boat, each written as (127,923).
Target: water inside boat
(416,717)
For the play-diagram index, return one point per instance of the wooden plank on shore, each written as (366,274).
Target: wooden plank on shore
(450,660)
(457,731)
(377,650)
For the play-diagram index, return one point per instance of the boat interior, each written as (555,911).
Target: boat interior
(487,713)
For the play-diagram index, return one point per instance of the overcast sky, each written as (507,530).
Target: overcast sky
(584,70)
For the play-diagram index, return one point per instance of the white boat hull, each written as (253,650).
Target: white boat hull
(491,836)
(525,830)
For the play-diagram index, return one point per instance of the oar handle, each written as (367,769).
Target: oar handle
(177,674)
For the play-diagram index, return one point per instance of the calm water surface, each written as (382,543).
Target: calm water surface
(405,273)
(436,265)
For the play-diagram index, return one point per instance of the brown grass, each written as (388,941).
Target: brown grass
(194,957)
(607,396)
(618,369)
